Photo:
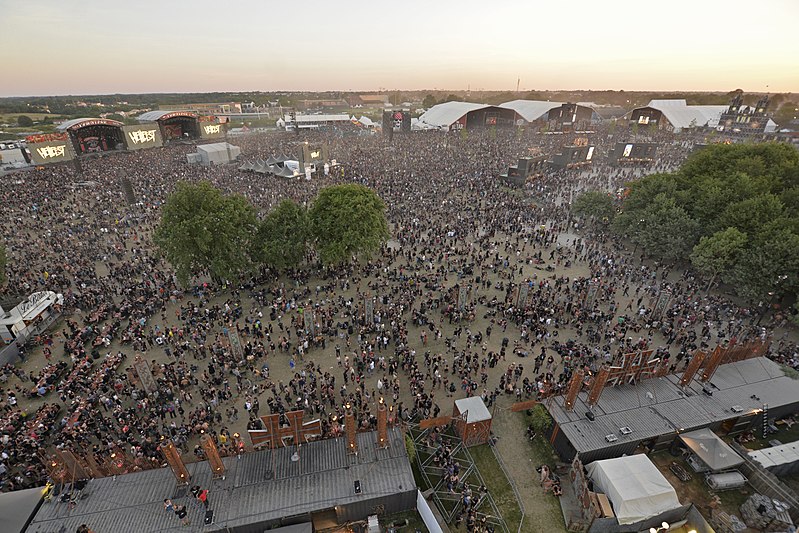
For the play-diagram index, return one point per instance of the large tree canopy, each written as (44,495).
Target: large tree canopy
(733,209)
(596,205)
(202,229)
(283,236)
(347,220)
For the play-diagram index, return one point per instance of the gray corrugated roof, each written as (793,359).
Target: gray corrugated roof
(657,406)
(261,486)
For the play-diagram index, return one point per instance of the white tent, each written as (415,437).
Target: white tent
(635,487)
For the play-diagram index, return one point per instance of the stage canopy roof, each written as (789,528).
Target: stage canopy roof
(531,110)
(152,116)
(681,115)
(446,114)
(713,451)
(635,487)
(76,123)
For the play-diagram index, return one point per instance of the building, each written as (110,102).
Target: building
(289,122)
(459,115)
(223,108)
(652,413)
(741,119)
(472,421)
(677,115)
(376,100)
(214,154)
(263,489)
(556,116)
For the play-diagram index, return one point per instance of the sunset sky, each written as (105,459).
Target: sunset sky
(89,47)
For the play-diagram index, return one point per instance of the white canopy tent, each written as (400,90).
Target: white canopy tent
(713,451)
(634,486)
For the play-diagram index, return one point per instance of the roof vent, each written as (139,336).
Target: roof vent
(625,430)
(611,438)
(737,409)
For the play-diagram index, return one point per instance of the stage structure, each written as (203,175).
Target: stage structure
(525,170)
(94,135)
(576,155)
(633,153)
(174,125)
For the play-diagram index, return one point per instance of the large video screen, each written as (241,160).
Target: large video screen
(643,119)
(142,136)
(50,152)
(627,150)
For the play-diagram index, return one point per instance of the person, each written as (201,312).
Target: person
(83,528)
(202,495)
(169,507)
(182,514)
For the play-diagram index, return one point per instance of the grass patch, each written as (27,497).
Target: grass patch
(415,522)
(498,485)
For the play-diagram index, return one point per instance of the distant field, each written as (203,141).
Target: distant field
(8,117)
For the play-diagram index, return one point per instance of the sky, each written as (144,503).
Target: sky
(57,47)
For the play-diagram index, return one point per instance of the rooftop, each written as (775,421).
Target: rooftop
(261,486)
(658,406)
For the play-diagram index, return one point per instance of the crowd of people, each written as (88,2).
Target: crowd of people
(453,224)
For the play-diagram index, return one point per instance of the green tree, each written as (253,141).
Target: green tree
(770,265)
(347,220)
(429,101)
(595,204)
(540,419)
(666,231)
(718,253)
(24,121)
(202,229)
(283,236)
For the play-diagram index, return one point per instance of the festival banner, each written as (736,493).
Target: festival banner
(51,152)
(138,137)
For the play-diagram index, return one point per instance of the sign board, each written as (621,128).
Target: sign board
(51,152)
(138,137)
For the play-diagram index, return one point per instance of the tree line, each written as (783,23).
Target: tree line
(730,211)
(205,231)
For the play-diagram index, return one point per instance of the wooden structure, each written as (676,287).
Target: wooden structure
(692,368)
(275,434)
(212,453)
(172,457)
(472,421)
(351,430)
(382,425)
(575,385)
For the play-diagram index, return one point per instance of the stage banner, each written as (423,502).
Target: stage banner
(369,309)
(145,375)
(210,128)
(524,291)
(590,296)
(662,304)
(138,137)
(463,297)
(310,326)
(51,152)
